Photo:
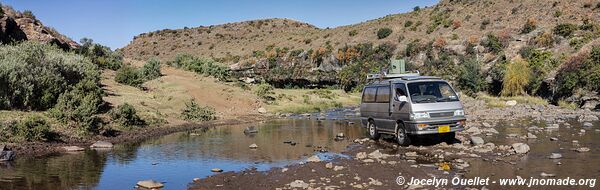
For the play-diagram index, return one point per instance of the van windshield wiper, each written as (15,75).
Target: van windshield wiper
(426,100)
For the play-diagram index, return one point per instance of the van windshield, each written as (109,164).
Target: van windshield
(431,92)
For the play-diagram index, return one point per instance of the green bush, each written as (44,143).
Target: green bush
(129,76)
(516,78)
(565,30)
(193,112)
(33,128)
(540,63)
(207,67)
(408,23)
(529,26)
(79,105)
(151,70)
(492,43)
(28,14)
(264,90)
(353,33)
(100,55)
(125,115)
(471,79)
(33,75)
(383,33)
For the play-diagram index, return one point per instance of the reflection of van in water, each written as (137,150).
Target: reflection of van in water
(407,105)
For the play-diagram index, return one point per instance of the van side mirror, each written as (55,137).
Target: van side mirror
(402,99)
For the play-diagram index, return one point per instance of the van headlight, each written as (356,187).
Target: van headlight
(459,113)
(421,115)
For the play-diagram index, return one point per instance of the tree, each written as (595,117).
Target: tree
(383,33)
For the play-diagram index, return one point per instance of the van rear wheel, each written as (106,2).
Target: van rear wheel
(373,134)
(401,135)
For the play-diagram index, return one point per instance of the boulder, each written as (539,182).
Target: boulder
(582,149)
(588,124)
(376,155)
(313,158)
(555,156)
(531,136)
(329,165)
(361,155)
(7,155)
(73,148)
(511,103)
(250,130)
(299,184)
(216,170)
(253,146)
(102,144)
(2,147)
(338,168)
(262,110)
(520,148)
(477,140)
(150,184)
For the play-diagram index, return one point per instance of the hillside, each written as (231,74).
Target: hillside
(455,22)
(18,26)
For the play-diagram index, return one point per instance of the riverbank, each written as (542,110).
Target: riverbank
(36,149)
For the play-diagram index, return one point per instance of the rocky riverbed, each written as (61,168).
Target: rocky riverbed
(517,141)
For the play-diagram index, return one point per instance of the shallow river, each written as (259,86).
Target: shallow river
(178,158)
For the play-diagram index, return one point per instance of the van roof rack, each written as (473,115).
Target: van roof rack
(404,76)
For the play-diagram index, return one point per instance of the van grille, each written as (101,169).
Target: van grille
(441,114)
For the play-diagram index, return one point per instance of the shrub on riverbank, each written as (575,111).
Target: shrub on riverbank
(207,67)
(31,128)
(33,75)
(126,115)
(136,77)
(264,91)
(194,112)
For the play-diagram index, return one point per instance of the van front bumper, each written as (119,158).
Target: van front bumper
(433,127)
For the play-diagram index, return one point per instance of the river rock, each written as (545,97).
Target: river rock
(520,148)
(313,158)
(262,110)
(338,168)
(376,155)
(511,103)
(73,148)
(250,130)
(102,144)
(150,184)
(582,149)
(555,156)
(368,160)
(216,170)
(474,130)
(531,136)
(2,147)
(7,155)
(196,179)
(552,126)
(588,124)
(587,117)
(477,140)
(299,184)
(361,155)
(253,146)
(329,165)
(544,174)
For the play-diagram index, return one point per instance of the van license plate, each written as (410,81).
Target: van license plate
(443,129)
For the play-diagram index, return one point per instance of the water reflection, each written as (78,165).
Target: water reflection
(177,158)
(70,171)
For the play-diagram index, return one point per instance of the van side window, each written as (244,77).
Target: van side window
(383,94)
(369,94)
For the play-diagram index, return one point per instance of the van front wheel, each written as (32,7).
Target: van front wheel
(373,131)
(401,135)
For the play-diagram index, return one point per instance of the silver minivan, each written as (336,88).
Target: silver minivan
(410,105)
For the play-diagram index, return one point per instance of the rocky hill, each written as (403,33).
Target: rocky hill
(20,26)
(436,40)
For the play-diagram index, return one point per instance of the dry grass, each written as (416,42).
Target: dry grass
(499,102)
(308,100)
(567,105)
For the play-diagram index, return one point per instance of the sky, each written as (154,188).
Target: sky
(114,23)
